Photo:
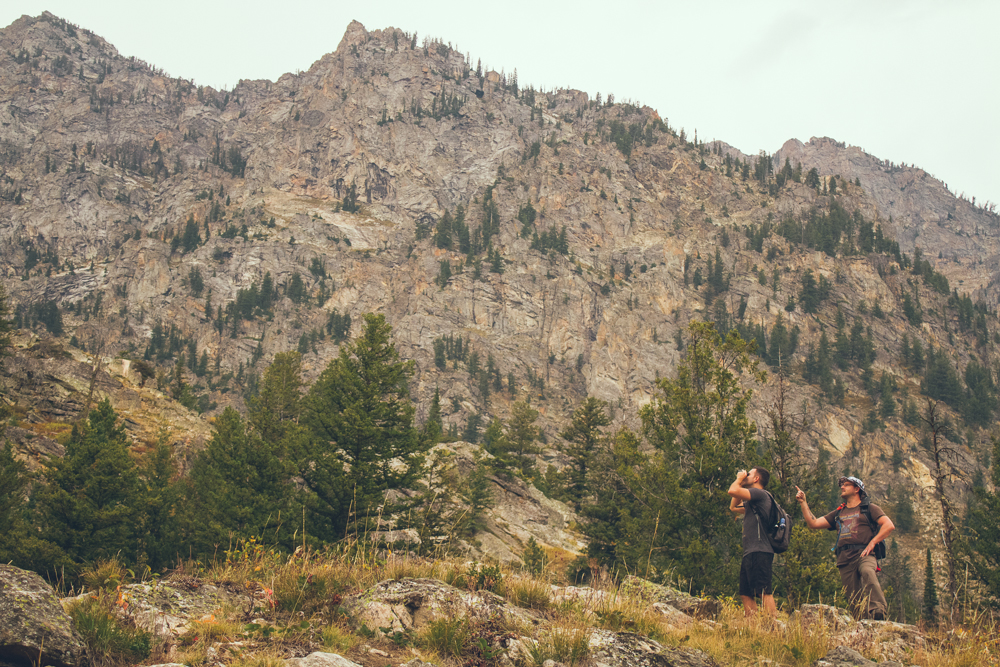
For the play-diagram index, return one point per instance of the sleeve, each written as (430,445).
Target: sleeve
(831,519)
(876,513)
(757,497)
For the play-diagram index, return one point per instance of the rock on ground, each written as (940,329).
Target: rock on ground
(834,618)
(412,604)
(319,659)
(33,626)
(627,649)
(842,656)
(688,604)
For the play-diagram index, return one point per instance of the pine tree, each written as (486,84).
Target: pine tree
(700,431)
(6,326)
(583,436)
(89,507)
(434,427)
(929,610)
(477,493)
(277,407)
(898,585)
(362,439)
(983,542)
(239,488)
(521,434)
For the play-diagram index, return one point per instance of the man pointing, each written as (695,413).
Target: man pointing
(860,527)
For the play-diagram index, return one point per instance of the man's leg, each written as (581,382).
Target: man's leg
(770,607)
(746,590)
(852,586)
(871,589)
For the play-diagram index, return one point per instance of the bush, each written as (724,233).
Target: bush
(482,577)
(108,637)
(447,636)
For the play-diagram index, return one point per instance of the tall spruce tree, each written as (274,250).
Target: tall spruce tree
(699,428)
(238,488)
(983,542)
(929,610)
(91,504)
(582,436)
(362,439)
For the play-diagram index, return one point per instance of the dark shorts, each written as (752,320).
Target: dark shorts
(755,574)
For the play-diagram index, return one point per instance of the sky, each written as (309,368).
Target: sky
(914,81)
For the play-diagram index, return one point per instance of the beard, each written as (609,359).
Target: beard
(746,483)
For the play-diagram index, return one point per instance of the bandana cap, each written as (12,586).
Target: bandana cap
(853,480)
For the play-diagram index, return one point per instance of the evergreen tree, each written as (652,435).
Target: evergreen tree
(904,517)
(90,505)
(277,407)
(929,610)
(477,493)
(362,439)
(583,436)
(807,573)
(520,435)
(239,487)
(471,431)
(191,238)
(6,326)
(20,543)
(898,585)
(157,525)
(434,427)
(983,542)
(701,433)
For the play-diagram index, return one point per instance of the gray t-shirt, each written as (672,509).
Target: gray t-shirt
(754,537)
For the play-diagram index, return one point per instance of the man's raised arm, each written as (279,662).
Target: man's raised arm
(807,515)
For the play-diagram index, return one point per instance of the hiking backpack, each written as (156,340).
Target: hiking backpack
(777,526)
(879,550)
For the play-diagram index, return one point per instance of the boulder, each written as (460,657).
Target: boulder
(34,628)
(627,649)
(320,659)
(673,616)
(412,604)
(684,602)
(167,611)
(843,656)
(833,618)
(883,639)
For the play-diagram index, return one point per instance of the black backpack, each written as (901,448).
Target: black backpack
(777,526)
(879,550)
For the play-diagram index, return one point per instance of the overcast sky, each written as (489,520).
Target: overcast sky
(915,81)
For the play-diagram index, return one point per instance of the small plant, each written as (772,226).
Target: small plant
(447,636)
(337,639)
(568,646)
(107,574)
(534,556)
(528,593)
(109,637)
(482,577)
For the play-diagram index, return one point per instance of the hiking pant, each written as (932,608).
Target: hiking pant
(863,589)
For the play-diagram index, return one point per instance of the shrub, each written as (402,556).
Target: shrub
(109,638)
(482,577)
(447,636)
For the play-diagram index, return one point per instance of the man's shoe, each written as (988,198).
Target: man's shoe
(878,616)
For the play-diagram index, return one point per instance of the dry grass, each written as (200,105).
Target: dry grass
(299,596)
(738,640)
(528,592)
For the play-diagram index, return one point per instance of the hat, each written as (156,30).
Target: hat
(853,480)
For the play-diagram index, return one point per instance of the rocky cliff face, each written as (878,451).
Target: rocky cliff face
(332,182)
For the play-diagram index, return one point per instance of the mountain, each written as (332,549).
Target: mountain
(566,241)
